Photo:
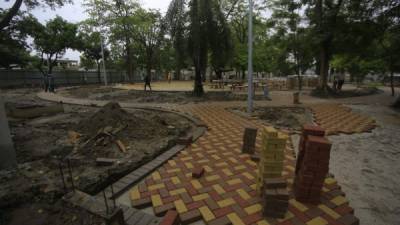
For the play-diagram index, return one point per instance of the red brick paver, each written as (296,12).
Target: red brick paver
(226,193)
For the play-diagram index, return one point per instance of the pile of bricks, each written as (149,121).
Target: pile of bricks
(249,140)
(275,198)
(272,156)
(312,164)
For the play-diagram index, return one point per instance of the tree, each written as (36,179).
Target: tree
(52,40)
(175,21)
(386,14)
(113,18)
(286,20)
(7,17)
(91,47)
(221,43)
(322,16)
(204,18)
(149,34)
(239,23)
(13,41)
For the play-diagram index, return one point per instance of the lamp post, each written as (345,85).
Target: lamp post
(104,62)
(250,60)
(102,46)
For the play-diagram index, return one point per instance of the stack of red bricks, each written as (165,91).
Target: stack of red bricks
(275,199)
(312,164)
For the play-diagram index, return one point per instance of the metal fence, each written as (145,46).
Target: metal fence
(34,78)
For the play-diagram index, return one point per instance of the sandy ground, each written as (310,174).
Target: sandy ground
(367,167)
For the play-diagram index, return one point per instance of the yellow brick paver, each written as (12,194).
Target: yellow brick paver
(243,194)
(156,200)
(235,219)
(180,206)
(329,211)
(339,200)
(200,197)
(226,202)
(253,209)
(317,221)
(206,213)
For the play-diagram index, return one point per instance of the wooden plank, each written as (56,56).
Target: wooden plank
(121,146)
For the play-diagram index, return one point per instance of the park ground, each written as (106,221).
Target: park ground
(364,164)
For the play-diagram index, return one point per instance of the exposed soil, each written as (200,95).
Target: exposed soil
(81,134)
(292,118)
(135,96)
(357,92)
(396,105)
(89,91)
(45,214)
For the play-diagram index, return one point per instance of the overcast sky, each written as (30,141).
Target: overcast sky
(76,13)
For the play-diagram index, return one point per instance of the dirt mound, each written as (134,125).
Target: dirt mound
(111,131)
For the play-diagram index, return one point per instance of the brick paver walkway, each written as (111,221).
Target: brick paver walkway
(335,119)
(226,193)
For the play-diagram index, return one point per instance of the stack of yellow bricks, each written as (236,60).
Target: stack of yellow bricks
(272,156)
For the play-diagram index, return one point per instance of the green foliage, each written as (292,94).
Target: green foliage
(13,46)
(148,35)
(52,40)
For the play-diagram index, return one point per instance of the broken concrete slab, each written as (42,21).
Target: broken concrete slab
(7,151)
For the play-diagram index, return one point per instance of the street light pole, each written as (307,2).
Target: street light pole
(104,63)
(102,46)
(250,61)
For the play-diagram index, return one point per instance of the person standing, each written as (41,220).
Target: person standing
(147,82)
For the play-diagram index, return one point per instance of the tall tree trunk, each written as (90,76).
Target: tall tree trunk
(98,72)
(198,83)
(317,66)
(324,67)
(178,73)
(10,14)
